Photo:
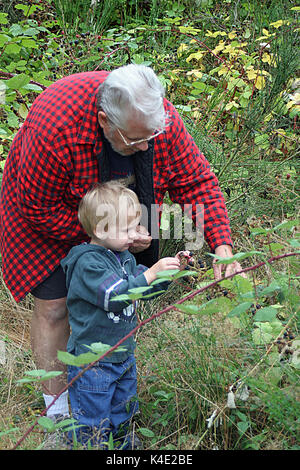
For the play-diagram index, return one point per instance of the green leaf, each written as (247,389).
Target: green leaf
(148,296)
(68,424)
(39,375)
(262,140)
(157,281)
(238,285)
(241,308)
(146,432)
(46,423)
(27,9)
(29,43)
(237,257)
(3,18)
(12,120)
(7,431)
(13,49)
(265,332)
(276,248)
(242,426)
(167,274)
(121,297)
(101,348)
(191,309)
(265,314)
(16,30)
(271,289)
(18,81)
(31,32)
(139,290)
(184,274)
(219,304)
(294,242)
(4,39)
(258,231)
(78,361)
(288,224)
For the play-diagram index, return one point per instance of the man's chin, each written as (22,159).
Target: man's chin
(124,153)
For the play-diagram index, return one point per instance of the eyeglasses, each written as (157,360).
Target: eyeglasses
(136,142)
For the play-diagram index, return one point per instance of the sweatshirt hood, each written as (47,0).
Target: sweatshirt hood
(68,263)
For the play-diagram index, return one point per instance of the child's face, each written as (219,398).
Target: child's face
(118,237)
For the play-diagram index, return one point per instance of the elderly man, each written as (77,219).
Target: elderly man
(85,128)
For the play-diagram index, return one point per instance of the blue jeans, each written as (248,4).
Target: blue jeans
(103,400)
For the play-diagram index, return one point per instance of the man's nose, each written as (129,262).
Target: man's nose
(142,145)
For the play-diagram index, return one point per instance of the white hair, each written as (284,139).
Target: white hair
(132,90)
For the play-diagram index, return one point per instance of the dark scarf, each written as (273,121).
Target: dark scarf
(143,169)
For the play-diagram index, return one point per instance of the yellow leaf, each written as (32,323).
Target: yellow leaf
(197,113)
(266,32)
(268,117)
(195,73)
(266,57)
(251,74)
(209,34)
(215,34)
(195,55)
(277,24)
(229,49)
(294,101)
(219,47)
(231,104)
(296,97)
(260,82)
(189,30)
(181,48)
(297,108)
(223,70)
(23,111)
(232,35)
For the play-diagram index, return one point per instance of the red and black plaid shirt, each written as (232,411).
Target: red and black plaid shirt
(52,163)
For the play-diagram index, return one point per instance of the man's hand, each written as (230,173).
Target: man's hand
(142,241)
(225,251)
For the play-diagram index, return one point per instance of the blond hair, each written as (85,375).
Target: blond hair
(111,204)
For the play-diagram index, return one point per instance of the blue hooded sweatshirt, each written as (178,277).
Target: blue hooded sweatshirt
(94,276)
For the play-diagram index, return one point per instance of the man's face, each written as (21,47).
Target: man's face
(120,138)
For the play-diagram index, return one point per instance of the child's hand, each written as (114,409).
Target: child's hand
(185,258)
(163,264)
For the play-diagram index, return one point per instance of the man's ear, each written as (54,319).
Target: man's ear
(102,119)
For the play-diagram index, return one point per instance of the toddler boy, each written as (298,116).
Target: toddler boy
(103,400)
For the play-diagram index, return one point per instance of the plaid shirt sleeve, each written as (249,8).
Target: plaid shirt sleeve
(192,182)
(42,186)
